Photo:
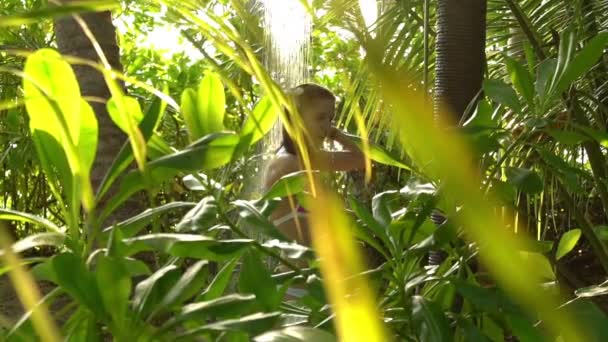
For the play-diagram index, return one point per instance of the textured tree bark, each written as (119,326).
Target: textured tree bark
(460,64)
(459,69)
(72,40)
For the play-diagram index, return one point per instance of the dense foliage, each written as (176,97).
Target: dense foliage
(203,261)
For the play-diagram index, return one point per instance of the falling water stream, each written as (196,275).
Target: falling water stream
(288,32)
(287,28)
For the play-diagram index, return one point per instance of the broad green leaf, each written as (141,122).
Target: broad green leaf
(524,330)
(482,117)
(53,95)
(162,242)
(256,279)
(253,324)
(147,126)
(218,285)
(126,114)
(75,7)
(296,334)
(135,267)
(150,291)
(153,116)
(220,250)
(187,245)
(537,246)
(485,299)
(121,112)
(254,218)
(530,56)
(526,180)
(380,206)
(521,78)
(199,218)
(212,102)
(481,139)
(567,137)
(38,240)
(53,106)
(368,219)
(130,227)
(227,306)
(260,121)
(540,263)
(287,185)
(583,61)
(203,110)
(201,182)
(73,277)
(500,92)
(472,332)
(544,77)
(158,147)
(208,153)
(290,250)
(186,287)
(87,142)
(190,112)
(567,243)
(434,326)
(566,51)
(44,271)
(380,155)
(13,215)
(112,274)
(593,320)
(503,191)
(414,189)
(82,326)
(600,136)
(55,164)
(601,231)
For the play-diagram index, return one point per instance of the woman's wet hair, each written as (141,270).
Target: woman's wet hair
(304,93)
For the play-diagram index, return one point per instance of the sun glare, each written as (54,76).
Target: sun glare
(369,10)
(164,38)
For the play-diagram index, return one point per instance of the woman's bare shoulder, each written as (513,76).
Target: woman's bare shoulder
(279,166)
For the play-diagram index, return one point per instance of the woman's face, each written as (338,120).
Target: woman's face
(317,116)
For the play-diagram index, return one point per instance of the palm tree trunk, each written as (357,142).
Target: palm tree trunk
(459,69)
(460,64)
(72,40)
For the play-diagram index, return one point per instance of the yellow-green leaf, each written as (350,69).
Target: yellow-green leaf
(87,141)
(121,116)
(126,114)
(567,243)
(212,103)
(52,93)
(260,121)
(203,110)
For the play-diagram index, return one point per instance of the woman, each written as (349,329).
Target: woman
(316,107)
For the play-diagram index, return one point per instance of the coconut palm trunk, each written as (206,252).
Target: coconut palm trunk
(459,66)
(72,40)
(460,61)
(460,53)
